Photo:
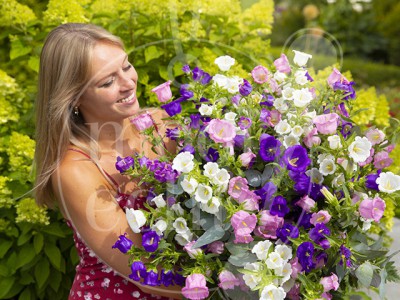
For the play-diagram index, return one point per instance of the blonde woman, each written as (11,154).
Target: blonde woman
(87,93)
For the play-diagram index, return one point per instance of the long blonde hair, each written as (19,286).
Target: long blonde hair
(64,74)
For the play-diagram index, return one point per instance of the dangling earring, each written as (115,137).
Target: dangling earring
(76,111)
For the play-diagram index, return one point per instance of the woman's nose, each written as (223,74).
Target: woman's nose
(127,81)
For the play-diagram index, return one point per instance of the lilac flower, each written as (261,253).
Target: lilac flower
(269,147)
(167,278)
(271,117)
(269,100)
(319,232)
(227,280)
(143,161)
(266,193)
(305,253)
(244,123)
(238,140)
(185,93)
(123,244)
(235,99)
(186,69)
(287,231)
(216,247)
(188,148)
(345,256)
(150,241)
(195,121)
(172,133)
(372,208)
(347,88)
(260,74)
(195,287)
(123,164)
(342,109)
(370,181)
(173,108)
(245,88)
(138,270)
(296,158)
(279,207)
(151,278)
(212,155)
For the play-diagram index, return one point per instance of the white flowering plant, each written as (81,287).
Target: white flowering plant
(275,193)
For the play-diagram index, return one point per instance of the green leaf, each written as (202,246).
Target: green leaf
(4,246)
(26,294)
(26,278)
(214,233)
(38,241)
(241,259)
(54,229)
(18,49)
(163,73)
(33,63)
(54,255)
(365,273)
(24,237)
(151,53)
(4,271)
(55,280)
(6,284)
(42,272)
(25,256)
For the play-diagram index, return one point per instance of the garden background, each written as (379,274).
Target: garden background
(37,256)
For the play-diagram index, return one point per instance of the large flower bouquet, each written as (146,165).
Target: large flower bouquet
(274,193)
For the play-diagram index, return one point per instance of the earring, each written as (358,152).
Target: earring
(76,111)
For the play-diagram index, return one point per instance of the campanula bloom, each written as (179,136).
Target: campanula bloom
(151,278)
(163,91)
(296,158)
(123,244)
(150,241)
(124,164)
(282,64)
(269,147)
(195,287)
(138,270)
(279,207)
(245,88)
(305,253)
(143,121)
(260,74)
(372,208)
(287,231)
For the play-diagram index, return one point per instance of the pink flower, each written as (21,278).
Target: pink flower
(320,217)
(237,185)
(382,160)
(282,64)
(250,200)
(243,224)
(372,209)
(216,247)
(375,136)
(326,296)
(163,91)
(195,287)
(260,74)
(247,158)
(193,252)
(311,139)
(336,76)
(326,123)
(296,267)
(221,131)
(274,86)
(369,159)
(227,280)
(268,225)
(330,283)
(306,203)
(142,121)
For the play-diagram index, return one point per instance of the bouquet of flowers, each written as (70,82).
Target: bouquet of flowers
(274,192)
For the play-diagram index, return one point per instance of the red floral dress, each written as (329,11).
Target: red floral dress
(94,279)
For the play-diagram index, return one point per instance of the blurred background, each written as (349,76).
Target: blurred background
(362,38)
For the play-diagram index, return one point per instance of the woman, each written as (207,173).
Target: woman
(87,93)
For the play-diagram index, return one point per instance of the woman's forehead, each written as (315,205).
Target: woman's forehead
(106,59)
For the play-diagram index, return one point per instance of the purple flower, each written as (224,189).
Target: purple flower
(266,193)
(244,123)
(347,88)
(143,161)
(235,99)
(167,277)
(296,158)
(197,74)
(188,148)
(239,140)
(319,232)
(245,88)
(269,147)
(305,253)
(342,109)
(151,278)
(195,287)
(287,231)
(186,69)
(370,181)
(185,93)
(212,155)
(309,78)
(279,207)
(346,128)
(123,244)
(173,108)
(150,241)
(269,100)
(195,121)
(206,78)
(123,164)
(138,270)
(179,279)
(172,133)
(345,256)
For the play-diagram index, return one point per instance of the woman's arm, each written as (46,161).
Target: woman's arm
(86,199)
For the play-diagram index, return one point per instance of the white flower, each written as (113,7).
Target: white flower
(300,77)
(211,169)
(206,110)
(287,93)
(284,251)
(189,185)
(285,271)
(184,238)
(261,249)
(136,219)
(359,150)
(280,105)
(221,177)
(279,76)
(327,167)
(282,127)
(338,180)
(290,140)
(315,175)
(160,226)
(183,162)
(230,117)
(257,97)
(159,201)
(311,115)
(366,223)
(211,208)
(388,182)
(302,97)
(203,193)
(252,280)
(324,156)
(301,58)
(274,260)
(180,225)
(225,62)
(297,130)
(223,101)
(334,142)
(177,208)
(233,83)
(220,80)
(272,292)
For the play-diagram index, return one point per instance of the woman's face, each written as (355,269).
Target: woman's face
(111,94)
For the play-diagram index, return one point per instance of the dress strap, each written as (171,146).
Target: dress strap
(104,172)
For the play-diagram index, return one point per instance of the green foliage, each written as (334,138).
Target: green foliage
(37,257)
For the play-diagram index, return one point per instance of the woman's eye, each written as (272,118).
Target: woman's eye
(108,83)
(127,68)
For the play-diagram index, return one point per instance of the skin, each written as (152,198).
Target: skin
(86,198)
